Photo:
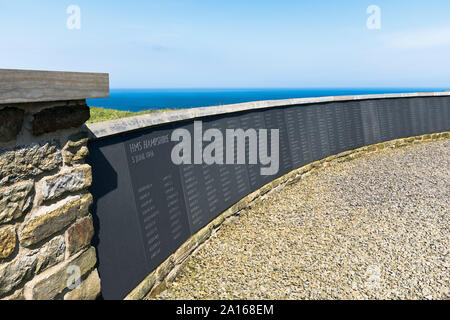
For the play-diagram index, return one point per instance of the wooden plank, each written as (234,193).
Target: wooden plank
(18,86)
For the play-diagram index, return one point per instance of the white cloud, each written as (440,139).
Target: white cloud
(426,38)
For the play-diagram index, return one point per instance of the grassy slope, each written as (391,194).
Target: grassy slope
(102,114)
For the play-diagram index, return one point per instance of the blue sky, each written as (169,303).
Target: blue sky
(231,43)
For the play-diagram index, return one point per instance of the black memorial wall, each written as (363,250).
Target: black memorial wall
(145,206)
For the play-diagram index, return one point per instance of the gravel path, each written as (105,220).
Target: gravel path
(375,227)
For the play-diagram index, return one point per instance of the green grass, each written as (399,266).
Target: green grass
(102,114)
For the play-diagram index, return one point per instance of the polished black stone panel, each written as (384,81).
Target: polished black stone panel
(231,179)
(446,113)
(297,131)
(254,120)
(437,114)
(385,111)
(406,118)
(292,129)
(312,117)
(158,194)
(145,206)
(323,131)
(334,127)
(421,105)
(414,117)
(428,117)
(401,118)
(396,118)
(353,121)
(442,115)
(433,114)
(239,170)
(369,116)
(202,195)
(275,119)
(201,201)
(341,128)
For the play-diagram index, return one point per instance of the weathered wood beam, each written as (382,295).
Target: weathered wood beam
(19,86)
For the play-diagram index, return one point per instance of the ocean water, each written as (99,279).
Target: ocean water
(143,99)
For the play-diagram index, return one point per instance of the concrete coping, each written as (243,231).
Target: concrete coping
(114,127)
(27,86)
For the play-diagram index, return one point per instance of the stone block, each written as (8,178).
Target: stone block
(22,163)
(85,204)
(173,274)
(75,151)
(59,118)
(158,289)
(344,154)
(15,200)
(7,241)
(185,250)
(79,235)
(70,181)
(380,146)
(54,281)
(164,268)
(371,148)
(15,272)
(11,120)
(143,288)
(203,234)
(49,220)
(50,254)
(18,295)
(89,289)
(218,221)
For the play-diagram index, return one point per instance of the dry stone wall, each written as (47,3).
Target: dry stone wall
(45,223)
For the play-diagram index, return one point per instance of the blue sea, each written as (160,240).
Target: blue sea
(143,99)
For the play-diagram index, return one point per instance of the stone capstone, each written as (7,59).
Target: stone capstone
(14,201)
(49,220)
(7,241)
(55,280)
(59,118)
(74,180)
(25,162)
(89,289)
(11,120)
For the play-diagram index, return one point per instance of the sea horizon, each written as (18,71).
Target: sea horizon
(139,99)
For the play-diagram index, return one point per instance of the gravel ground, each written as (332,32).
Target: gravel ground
(372,228)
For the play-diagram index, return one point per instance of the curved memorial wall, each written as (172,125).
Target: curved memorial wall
(146,206)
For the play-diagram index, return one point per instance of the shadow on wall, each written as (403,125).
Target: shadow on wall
(118,240)
(104,180)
